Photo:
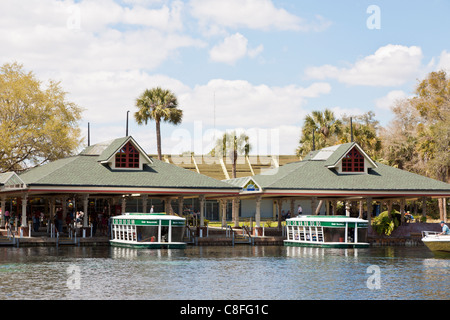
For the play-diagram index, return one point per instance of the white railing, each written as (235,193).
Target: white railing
(435,234)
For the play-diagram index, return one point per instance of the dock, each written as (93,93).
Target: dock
(405,235)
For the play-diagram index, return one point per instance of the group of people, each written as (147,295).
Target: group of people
(287,215)
(99,221)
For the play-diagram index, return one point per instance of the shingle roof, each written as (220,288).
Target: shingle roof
(315,174)
(85,169)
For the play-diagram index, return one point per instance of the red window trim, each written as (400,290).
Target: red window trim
(353,161)
(127,157)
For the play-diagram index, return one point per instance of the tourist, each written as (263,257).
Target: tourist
(151,209)
(78,218)
(445,228)
(299,210)
(7,216)
(36,221)
(408,216)
(59,219)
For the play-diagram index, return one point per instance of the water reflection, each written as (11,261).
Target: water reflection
(240,272)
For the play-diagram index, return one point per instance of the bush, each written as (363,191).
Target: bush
(382,224)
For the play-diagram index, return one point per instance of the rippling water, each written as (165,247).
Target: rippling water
(240,272)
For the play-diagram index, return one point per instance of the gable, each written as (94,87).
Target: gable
(246,184)
(349,158)
(124,153)
(11,181)
(251,186)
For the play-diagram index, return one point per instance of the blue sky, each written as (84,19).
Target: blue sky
(257,66)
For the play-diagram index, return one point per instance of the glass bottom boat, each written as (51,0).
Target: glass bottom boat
(327,231)
(148,230)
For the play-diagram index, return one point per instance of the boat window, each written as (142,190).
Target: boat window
(334,234)
(362,234)
(305,233)
(177,234)
(147,234)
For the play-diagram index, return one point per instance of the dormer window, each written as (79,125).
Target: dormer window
(353,161)
(127,157)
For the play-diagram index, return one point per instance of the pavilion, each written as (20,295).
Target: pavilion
(110,173)
(339,173)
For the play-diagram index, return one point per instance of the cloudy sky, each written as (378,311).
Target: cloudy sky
(253,65)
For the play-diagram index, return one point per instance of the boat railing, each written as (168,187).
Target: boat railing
(434,234)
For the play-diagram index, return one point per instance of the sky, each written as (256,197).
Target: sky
(254,66)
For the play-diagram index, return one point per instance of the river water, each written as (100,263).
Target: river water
(227,273)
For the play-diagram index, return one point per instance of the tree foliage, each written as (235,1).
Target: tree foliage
(320,130)
(37,124)
(329,130)
(159,105)
(418,139)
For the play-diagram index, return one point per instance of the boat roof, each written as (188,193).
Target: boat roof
(327,218)
(150,216)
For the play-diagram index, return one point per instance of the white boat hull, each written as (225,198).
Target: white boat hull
(436,242)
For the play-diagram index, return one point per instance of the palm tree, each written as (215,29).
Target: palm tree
(159,105)
(325,127)
(232,145)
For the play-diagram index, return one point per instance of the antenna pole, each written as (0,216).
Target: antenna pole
(89,135)
(126,133)
(351,130)
(314,142)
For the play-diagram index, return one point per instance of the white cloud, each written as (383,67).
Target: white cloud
(233,48)
(90,35)
(256,105)
(391,65)
(272,114)
(214,15)
(390,99)
(444,61)
(107,95)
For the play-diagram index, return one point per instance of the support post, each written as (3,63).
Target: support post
(85,209)
(144,203)
(3,204)
(202,210)
(224,204)
(258,212)
(369,209)
(24,210)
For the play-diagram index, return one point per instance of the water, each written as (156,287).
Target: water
(227,273)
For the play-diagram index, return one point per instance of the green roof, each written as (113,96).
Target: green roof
(317,172)
(86,170)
